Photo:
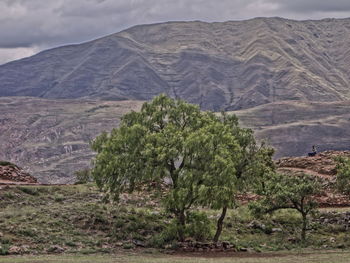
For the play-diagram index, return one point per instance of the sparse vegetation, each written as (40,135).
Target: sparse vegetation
(6,163)
(80,222)
(83,176)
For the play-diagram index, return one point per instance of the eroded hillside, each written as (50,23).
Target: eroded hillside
(50,138)
(220,66)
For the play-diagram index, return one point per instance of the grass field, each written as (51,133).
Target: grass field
(74,219)
(319,257)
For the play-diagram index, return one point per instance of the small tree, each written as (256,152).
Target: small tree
(343,175)
(283,191)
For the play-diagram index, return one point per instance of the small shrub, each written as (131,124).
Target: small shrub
(9,195)
(58,198)
(199,226)
(83,176)
(128,246)
(27,232)
(71,244)
(29,190)
(119,223)
(4,249)
(6,163)
(167,236)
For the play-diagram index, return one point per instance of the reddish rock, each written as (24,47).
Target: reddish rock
(12,173)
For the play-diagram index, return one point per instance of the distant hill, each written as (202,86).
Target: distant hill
(292,127)
(50,138)
(220,66)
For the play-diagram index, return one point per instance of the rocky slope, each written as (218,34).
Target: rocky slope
(231,65)
(50,138)
(292,127)
(321,166)
(12,174)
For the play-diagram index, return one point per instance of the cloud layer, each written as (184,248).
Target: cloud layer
(28,26)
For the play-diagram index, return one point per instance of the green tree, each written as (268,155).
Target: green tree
(283,191)
(199,152)
(343,175)
(156,143)
(233,173)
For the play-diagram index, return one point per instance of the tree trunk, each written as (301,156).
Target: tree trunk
(303,230)
(219,224)
(181,225)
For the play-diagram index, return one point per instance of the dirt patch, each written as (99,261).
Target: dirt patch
(226,254)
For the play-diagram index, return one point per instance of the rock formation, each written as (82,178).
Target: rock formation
(10,173)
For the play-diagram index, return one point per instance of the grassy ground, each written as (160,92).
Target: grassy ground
(42,219)
(320,257)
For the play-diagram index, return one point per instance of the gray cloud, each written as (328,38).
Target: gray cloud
(40,24)
(312,6)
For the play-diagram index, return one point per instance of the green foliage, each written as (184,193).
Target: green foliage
(199,226)
(29,190)
(343,175)
(282,191)
(167,236)
(4,249)
(206,157)
(83,176)
(6,163)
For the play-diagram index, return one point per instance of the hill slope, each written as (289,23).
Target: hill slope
(230,65)
(50,138)
(292,127)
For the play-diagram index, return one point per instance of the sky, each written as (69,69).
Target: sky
(29,26)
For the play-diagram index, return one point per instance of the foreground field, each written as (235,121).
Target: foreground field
(75,220)
(319,257)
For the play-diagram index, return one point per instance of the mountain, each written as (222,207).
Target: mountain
(220,66)
(288,80)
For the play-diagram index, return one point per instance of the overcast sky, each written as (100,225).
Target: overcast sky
(29,26)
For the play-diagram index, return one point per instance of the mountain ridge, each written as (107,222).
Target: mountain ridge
(220,65)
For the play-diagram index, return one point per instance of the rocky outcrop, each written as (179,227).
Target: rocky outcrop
(323,168)
(292,127)
(323,163)
(50,138)
(12,173)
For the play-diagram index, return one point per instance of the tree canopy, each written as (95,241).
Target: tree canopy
(286,191)
(206,157)
(343,175)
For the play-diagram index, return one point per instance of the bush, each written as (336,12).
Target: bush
(58,198)
(29,190)
(5,163)
(128,246)
(4,250)
(83,176)
(167,236)
(199,227)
